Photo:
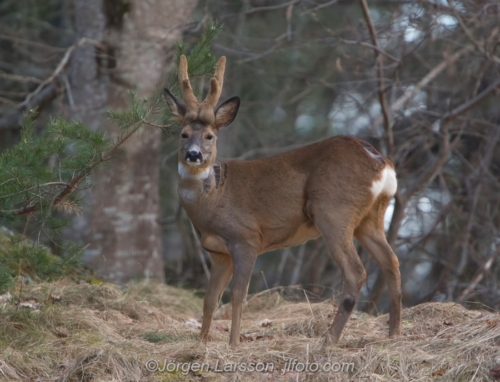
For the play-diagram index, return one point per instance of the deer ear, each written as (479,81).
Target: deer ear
(226,112)
(177,108)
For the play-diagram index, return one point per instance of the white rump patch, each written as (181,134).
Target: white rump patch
(185,174)
(387,183)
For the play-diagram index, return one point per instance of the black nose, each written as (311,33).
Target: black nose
(194,156)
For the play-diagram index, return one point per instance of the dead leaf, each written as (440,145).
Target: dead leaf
(448,323)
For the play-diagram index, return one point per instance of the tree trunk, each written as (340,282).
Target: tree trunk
(121,228)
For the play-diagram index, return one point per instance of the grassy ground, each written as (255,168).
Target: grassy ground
(83,332)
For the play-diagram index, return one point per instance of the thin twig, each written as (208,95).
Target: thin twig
(62,64)
(445,146)
(262,54)
(29,42)
(321,6)
(367,45)
(45,92)
(469,34)
(410,93)
(12,119)
(485,268)
(19,78)
(472,102)
(7,101)
(268,8)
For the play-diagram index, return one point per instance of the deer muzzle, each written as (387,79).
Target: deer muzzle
(194,157)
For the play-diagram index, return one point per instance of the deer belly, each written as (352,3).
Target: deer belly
(282,239)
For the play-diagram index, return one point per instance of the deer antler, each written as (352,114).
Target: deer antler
(204,111)
(215,85)
(208,105)
(186,89)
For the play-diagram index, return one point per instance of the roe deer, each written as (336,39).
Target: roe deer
(338,188)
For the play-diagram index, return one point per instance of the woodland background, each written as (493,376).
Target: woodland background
(418,79)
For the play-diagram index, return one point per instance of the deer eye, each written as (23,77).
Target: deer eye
(209,137)
(184,136)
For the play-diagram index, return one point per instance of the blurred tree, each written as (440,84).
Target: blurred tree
(136,43)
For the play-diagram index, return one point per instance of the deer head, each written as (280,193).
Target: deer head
(200,122)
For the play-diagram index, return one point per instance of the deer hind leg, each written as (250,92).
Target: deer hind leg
(339,241)
(220,274)
(372,236)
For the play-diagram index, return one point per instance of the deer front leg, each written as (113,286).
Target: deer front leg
(220,273)
(243,263)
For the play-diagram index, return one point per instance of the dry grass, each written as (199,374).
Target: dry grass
(84,332)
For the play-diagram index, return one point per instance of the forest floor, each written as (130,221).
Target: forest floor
(67,331)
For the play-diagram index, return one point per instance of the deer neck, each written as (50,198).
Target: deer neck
(193,187)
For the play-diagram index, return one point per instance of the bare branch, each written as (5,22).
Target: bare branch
(62,64)
(376,48)
(29,42)
(12,119)
(45,92)
(17,77)
(317,8)
(444,146)
(410,93)
(469,34)
(485,268)
(472,102)
(380,74)
(271,7)
(265,53)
